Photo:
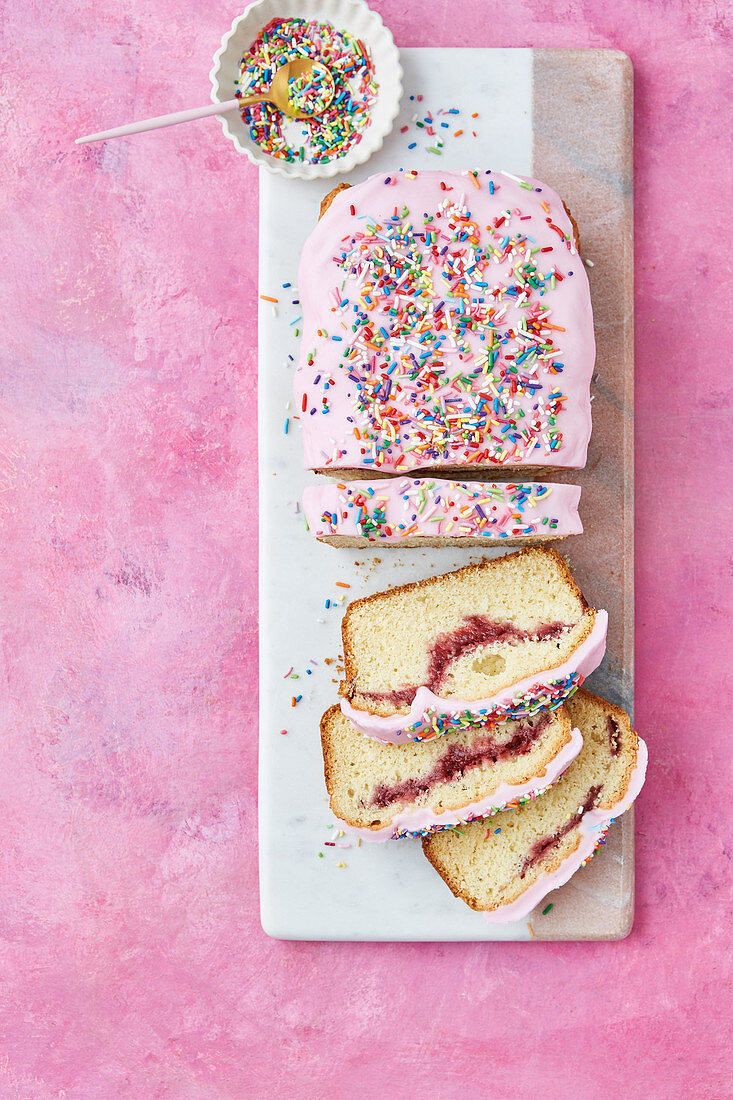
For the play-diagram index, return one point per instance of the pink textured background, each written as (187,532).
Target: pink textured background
(132,963)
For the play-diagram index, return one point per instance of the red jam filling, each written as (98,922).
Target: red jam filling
(398,697)
(542,846)
(613,734)
(476,632)
(458,759)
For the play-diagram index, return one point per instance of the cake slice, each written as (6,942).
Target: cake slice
(381,792)
(506,866)
(447,325)
(493,641)
(404,511)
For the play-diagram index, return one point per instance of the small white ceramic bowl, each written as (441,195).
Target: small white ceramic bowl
(352,16)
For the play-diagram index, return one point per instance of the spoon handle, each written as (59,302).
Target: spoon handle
(250,100)
(162,120)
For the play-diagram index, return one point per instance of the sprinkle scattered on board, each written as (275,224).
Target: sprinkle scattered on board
(431,129)
(338,841)
(292,306)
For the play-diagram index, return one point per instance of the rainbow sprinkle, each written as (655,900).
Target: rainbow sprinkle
(311,95)
(492,811)
(492,511)
(339,128)
(549,696)
(435,127)
(445,362)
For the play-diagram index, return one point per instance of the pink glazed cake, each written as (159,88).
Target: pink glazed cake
(447,324)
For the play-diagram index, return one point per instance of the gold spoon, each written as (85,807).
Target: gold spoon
(279,94)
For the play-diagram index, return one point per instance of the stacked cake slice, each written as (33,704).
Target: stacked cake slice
(501,649)
(383,792)
(408,512)
(506,866)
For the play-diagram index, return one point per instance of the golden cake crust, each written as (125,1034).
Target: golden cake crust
(328,199)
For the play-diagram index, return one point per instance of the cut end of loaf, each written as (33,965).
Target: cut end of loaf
(432,511)
(351,542)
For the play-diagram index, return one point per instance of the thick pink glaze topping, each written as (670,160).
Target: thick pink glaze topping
(447,321)
(391,510)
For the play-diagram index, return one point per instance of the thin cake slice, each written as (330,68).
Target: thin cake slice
(507,866)
(389,791)
(493,641)
(409,511)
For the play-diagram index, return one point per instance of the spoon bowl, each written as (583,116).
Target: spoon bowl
(297,85)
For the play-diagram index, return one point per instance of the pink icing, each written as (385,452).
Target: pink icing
(591,829)
(417,723)
(392,509)
(479,360)
(423,819)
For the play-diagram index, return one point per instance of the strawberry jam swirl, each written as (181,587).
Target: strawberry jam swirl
(545,844)
(614,733)
(430,715)
(459,759)
(476,632)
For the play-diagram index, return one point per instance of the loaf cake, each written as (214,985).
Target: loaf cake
(447,325)
(506,866)
(497,640)
(404,511)
(381,792)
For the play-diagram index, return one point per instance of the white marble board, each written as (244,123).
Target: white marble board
(310,889)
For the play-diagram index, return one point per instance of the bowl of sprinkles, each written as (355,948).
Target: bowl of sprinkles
(359,53)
